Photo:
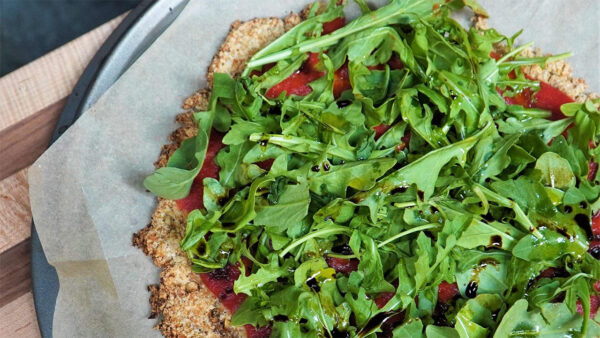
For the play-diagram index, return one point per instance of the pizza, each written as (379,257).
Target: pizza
(394,175)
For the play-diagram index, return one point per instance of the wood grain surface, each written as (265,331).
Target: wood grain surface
(31,99)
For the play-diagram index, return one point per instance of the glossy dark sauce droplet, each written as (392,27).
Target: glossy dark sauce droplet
(377,321)
(471,290)
(563,232)
(343,249)
(496,241)
(340,334)
(399,190)
(313,284)
(343,103)
(439,317)
(595,252)
(582,220)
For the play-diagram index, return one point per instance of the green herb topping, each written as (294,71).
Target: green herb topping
(410,198)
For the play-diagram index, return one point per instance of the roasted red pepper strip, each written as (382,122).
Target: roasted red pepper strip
(209,169)
(342,265)
(596,225)
(297,83)
(381,129)
(547,97)
(341,80)
(333,25)
(592,170)
(220,283)
(266,164)
(594,304)
(447,291)
(383,298)
(261,332)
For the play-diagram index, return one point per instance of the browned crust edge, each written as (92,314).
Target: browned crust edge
(183,305)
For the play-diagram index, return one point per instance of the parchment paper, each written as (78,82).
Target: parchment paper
(86,190)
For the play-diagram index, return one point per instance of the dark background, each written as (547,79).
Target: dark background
(32,28)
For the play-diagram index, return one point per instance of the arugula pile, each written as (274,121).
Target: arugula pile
(461,188)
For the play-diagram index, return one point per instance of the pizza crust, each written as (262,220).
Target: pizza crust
(558,74)
(243,41)
(184,306)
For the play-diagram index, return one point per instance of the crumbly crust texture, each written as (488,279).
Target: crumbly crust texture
(559,74)
(181,302)
(244,40)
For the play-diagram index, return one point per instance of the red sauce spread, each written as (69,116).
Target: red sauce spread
(209,169)
(547,97)
(395,63)
(592,170)
(342,265)
(220,282)
(381,129)
(266,164)
(551,98)
(297,83)
(334,25)
(447,291)
(341,80)
(261,332)
(383,299)
(594,304)
(552,273)
(596,224)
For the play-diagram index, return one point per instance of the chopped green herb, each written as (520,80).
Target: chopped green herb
(411,198)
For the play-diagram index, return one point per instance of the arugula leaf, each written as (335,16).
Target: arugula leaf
(397,12)
(412,328)
(234,171)
(556,171)
(554,319)
(476,315)
(359,175)
(291,205)
(265,274)
(175,180)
